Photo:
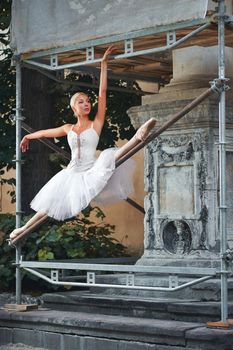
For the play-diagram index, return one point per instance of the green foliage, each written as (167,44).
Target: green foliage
(5,17)
(7,254)
(73,239)
(7,97)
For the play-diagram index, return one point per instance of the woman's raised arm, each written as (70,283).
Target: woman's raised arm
(49,133)
(103,89)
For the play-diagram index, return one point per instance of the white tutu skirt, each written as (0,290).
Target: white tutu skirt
(72,190)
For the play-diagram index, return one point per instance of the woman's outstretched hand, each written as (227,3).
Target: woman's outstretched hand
(108,52)
(24,144)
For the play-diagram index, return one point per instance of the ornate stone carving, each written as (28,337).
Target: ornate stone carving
(149,168)
(175,148)
(149,221)
(204,219)
(163,155)
(177,237)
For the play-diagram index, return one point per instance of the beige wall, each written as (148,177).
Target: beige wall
(5,200)
(128,221)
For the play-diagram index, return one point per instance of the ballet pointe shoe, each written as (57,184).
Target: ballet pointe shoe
(144,130)
(13,235)
(16,233)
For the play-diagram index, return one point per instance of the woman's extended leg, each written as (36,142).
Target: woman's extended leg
(140,136)
(29,223)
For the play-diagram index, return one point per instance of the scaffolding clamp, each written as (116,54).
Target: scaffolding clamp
(13,118)
(20,212)
(173,281)
(171,37)
(219,85)
(15,59)
(228,255)
(20,161)
(128,46)
(216,17)
(90,277)
(228,19)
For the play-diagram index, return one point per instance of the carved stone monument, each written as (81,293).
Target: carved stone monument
(181,166)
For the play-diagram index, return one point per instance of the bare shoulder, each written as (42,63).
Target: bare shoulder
(67,127)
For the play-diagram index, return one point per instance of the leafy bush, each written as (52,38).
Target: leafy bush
(72,239)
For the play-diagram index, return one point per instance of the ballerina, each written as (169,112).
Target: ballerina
(86,178)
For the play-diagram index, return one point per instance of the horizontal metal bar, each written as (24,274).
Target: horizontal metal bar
(120,268)
(38,64)
(64,66)
(117,38)
(119,286)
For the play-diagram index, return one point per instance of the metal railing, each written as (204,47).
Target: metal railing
(128,271)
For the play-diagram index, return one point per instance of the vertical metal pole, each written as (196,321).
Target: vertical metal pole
(18,175)
(222,161)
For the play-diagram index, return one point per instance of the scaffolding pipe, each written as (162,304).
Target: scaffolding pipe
(222,161)
(18,118)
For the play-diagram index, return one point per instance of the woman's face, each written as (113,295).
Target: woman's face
(82,105)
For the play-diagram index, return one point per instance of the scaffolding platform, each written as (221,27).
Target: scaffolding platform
(144,55)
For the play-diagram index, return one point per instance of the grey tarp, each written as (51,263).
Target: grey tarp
(45,24)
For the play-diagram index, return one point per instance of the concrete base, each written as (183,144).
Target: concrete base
(63,330)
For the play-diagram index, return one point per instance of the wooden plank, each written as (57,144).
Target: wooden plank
(20,307)
(219,324)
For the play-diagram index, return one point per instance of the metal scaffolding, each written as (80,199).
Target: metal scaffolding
(52,60)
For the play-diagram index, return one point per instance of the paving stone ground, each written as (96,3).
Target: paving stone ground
(18,347)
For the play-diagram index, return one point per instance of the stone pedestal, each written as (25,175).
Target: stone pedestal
(181,169)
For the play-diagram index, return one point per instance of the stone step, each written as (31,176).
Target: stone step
(133,306)
(66,330)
